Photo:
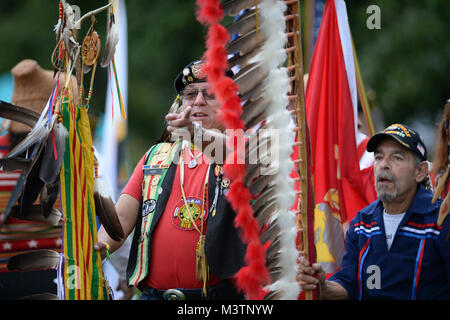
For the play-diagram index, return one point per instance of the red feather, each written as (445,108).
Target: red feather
(217,35)
(226,88)
(233,104)
(209,11)
(250,276)
(231,120)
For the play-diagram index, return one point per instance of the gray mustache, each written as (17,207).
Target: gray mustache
(385,175)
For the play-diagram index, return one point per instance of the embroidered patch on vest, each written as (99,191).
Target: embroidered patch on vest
(180,217)
(148,206)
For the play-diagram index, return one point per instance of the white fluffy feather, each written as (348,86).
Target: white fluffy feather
(272,56)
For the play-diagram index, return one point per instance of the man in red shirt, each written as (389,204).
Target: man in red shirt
(185,244)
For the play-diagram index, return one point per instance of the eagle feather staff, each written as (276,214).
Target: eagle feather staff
(268,82)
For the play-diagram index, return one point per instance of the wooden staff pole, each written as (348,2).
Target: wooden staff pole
(296,58)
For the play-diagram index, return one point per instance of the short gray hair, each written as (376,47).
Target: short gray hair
(426,182)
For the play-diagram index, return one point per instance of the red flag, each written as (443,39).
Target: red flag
(331,106)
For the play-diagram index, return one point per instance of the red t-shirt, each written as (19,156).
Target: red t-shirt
(174,240)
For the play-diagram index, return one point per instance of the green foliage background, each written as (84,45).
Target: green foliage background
(405,64)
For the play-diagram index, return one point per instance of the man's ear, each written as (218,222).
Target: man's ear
(421,171)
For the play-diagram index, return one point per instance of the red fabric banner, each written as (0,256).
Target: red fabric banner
(330,105)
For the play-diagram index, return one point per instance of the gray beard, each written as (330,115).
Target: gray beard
(382,194)
(387,197)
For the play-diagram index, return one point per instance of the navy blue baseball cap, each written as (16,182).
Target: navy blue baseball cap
(406,136)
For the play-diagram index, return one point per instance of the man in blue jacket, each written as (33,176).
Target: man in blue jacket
(394,247)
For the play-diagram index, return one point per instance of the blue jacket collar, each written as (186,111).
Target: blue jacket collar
(421,203)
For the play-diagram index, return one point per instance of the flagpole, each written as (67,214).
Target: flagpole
(306,201)
(362,93)
(308,32)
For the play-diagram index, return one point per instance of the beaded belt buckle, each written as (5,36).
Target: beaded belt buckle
(173,294)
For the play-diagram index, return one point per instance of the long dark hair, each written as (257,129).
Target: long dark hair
(440,160)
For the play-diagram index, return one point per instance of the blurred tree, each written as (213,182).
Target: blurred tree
(406,62)
(163,36)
